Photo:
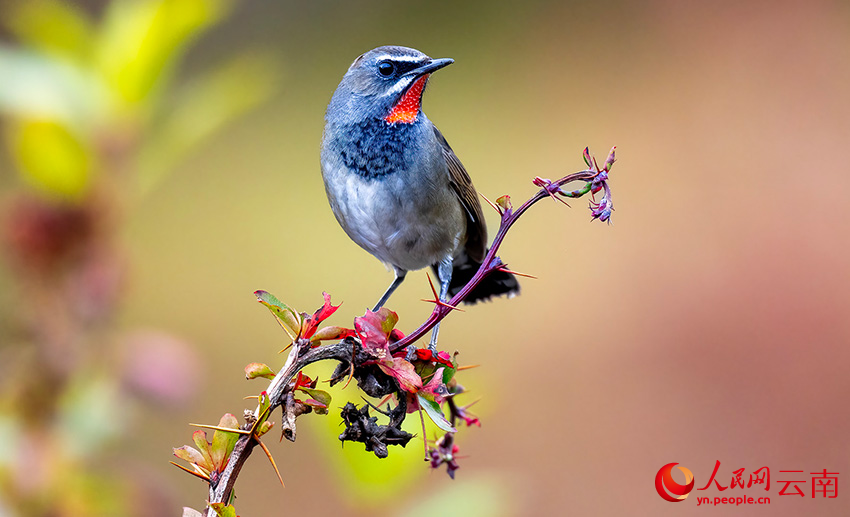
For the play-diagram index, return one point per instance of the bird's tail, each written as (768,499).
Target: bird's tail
(497,283)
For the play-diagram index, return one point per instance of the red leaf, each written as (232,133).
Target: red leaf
(303,381)
(402,371)
(442,357)
(374,329)
(311,323)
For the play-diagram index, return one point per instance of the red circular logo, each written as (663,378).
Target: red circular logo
(668,488)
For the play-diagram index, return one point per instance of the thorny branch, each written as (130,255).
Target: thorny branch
(355,362)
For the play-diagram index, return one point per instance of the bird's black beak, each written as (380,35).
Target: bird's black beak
(431,66)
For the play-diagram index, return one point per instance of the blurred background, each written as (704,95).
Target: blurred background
(159,163)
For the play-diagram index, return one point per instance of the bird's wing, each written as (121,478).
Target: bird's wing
(476,229)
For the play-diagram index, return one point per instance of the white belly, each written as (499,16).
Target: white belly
(404,219)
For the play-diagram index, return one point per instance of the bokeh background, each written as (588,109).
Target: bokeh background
(160,163)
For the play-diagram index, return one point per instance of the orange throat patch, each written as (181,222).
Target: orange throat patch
(407,108)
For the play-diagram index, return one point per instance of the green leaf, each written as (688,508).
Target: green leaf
(55,27)
(289,319)
(264,428)
(90,413)
(223,510)
(432,409)
(449,373)
(141,42)
(200,108)
(263,412)
(223,442)
(51,158)
(254,370)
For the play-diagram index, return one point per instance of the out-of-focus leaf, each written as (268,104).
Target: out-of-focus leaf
(91,413)
(52,26)
(435,413)
(37,86)
(191,512)
(371,485)
(142,40)
(287,316)
(471,494)
(51,158)
(254,370)
(203,106)
(223,442)
(11,436)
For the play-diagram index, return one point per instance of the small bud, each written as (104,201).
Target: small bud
(504,203)
(611,159)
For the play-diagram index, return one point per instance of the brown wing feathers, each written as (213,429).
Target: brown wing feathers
(461,183)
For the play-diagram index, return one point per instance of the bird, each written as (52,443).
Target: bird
(395,185)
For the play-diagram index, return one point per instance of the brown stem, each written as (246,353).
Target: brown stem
(223,488)
(342,351)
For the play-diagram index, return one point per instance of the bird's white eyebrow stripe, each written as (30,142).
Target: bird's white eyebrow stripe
(412,59)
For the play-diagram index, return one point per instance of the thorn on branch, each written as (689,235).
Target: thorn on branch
(491,203)
(550,187)
(436,301)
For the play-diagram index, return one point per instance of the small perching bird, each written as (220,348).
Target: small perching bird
(394,183)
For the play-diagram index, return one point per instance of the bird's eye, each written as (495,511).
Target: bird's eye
(386,68)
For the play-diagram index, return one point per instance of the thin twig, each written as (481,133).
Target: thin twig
(346,350)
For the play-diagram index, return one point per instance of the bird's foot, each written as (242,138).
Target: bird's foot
(411,351)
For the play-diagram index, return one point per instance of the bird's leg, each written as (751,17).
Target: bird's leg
(444,271)
(399,278)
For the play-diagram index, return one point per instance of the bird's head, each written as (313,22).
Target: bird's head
(386,83)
